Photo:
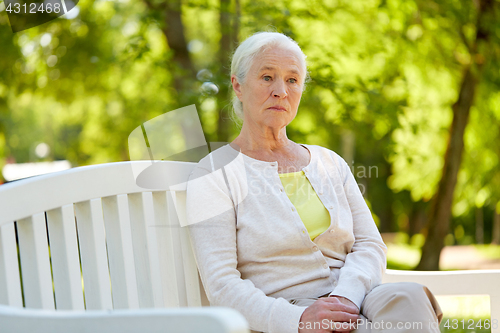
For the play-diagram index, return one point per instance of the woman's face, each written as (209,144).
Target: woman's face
(272,89)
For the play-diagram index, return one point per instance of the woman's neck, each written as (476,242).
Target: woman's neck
(262,140)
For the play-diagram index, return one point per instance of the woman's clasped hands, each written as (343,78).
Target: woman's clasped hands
(329,314)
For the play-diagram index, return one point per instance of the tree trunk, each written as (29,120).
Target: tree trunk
(183,69)
(348,142)
(180,65)
(417,218)
(479,225)
(229,26)
(495,239)
(438,224)
(386,214)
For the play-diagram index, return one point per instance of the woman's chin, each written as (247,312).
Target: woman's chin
(276,122)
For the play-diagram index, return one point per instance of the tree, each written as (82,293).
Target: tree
(229,19)
(439,220)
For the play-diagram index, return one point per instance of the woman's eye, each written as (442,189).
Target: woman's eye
(267,78)
(292,80)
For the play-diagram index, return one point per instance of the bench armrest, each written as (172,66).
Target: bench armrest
(174,320)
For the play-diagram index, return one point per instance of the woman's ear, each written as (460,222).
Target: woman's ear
(236,86)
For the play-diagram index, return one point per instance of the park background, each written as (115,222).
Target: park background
(407,91)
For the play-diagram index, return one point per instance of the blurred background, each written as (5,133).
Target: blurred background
(407,91)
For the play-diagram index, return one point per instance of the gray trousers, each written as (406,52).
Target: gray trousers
(394,307)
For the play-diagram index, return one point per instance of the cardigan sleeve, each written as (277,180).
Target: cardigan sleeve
(365,264)
(212,226)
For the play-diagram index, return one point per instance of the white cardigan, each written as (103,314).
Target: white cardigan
(252,249)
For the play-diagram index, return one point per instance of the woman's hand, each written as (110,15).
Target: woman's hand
(329,314)
(346,301)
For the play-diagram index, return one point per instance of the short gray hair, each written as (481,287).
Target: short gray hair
(252,46)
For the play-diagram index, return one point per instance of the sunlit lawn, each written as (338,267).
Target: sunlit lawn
(473,310)
(461,313)
(489,251)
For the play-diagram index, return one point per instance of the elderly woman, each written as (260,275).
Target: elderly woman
(280,230)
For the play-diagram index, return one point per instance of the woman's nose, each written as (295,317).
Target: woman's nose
(279,90)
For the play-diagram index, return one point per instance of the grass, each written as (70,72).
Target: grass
(402,256)
(488,251)
(473,310)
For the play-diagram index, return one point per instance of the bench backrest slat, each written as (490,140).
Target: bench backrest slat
(145,255)
(90,225)
(65,258)
(35,262)
(190,269)
(184,260)
(10,283)
(167,233)
(120,252)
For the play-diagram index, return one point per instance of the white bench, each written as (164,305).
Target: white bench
(94,227)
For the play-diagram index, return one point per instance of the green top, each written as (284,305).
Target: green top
(313,213)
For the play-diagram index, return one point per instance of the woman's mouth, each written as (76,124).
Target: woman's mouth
(277,108)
